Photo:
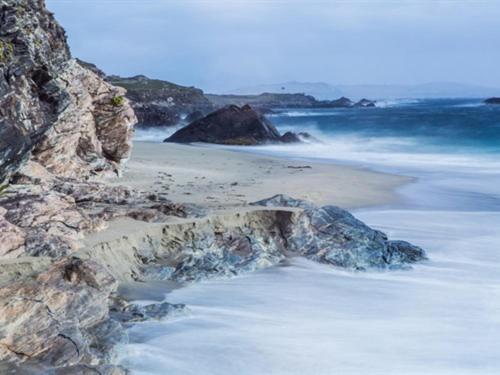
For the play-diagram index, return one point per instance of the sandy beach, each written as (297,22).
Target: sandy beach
(223,182)
(220,179)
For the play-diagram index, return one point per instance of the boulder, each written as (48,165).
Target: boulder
(231,125)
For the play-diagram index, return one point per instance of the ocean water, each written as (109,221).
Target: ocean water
(441,317)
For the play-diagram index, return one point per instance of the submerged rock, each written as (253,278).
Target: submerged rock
(233,125)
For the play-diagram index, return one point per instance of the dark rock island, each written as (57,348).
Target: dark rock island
(494,100)
(233,125)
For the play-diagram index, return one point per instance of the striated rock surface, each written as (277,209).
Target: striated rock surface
(224,246)
(93,134)
(49,219)
(51,108)
(162,103)
(332,235)
(232,125)
(46,320)
(12,238)
(67,319)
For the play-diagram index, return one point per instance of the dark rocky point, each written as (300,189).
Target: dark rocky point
(162,103)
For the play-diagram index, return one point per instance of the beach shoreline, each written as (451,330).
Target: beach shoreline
(218,179)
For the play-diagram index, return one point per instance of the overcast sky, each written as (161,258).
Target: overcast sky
(223,44)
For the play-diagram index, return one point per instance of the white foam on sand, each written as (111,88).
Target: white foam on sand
(393,152)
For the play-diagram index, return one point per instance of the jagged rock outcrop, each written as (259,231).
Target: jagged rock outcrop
(332,235)
(93,134)
(232,125)
(225,246)
(51,108)
(162,103)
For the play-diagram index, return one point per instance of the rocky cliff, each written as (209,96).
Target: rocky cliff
(68,316)
(52,110)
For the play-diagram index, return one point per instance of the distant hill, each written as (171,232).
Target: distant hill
(322,91)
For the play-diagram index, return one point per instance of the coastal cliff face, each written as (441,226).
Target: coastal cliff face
(52,110)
